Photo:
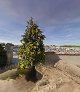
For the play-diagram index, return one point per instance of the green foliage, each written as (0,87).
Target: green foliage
(32,50)
(3,56)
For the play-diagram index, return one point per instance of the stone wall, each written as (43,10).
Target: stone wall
(9,50)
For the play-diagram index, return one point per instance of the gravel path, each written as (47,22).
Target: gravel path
(70,59)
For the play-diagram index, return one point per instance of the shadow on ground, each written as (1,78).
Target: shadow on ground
(51,58)
(13,65)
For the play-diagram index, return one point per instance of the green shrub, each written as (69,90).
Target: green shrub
(3,56)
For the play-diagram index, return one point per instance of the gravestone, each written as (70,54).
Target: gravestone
(9,50)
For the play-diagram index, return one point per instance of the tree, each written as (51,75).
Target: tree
(32,50)
(3,55)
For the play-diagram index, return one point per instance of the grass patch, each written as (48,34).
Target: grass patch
(66,46)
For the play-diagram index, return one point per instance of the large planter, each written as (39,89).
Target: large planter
(31,73)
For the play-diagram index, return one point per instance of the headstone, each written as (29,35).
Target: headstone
(9,50)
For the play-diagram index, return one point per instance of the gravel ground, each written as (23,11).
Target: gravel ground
(53,80)
(70,59)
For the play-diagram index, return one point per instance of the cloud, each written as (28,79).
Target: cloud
(59,18)
(46,11)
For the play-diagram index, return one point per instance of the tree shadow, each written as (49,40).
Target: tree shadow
(39,76)
(51,58)
(10,66)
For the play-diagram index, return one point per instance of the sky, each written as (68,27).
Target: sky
(59,20)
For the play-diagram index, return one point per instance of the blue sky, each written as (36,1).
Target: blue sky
(59,20)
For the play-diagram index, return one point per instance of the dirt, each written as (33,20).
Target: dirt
(70,59)
(19,85)
(50,80)
(57,82)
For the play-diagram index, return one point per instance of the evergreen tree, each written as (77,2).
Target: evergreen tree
(32,50)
